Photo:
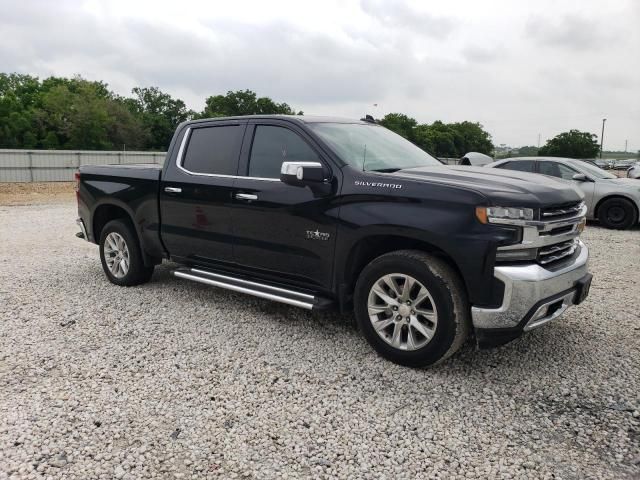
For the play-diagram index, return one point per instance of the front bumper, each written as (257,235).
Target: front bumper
(533,296)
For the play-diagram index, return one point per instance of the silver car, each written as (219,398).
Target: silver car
(634,170)
(614,201)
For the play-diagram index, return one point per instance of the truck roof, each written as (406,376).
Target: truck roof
(295,118)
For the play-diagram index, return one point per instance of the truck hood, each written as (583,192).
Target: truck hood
(501,187)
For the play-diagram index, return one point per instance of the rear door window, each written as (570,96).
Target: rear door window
(214,150)
(522,166)
(556,169)
(273,145)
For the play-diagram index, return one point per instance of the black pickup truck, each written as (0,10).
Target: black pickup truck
(329,213)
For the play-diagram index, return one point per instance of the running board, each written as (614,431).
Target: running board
(262,290)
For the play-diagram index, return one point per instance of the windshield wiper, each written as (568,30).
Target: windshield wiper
(385,170)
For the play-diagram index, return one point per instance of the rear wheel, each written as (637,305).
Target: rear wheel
(412,308)
(617,213)
(121,256)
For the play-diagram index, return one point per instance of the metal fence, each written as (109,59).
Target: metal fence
(59,165)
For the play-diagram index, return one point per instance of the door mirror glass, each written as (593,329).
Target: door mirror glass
(301,173)
(580,177)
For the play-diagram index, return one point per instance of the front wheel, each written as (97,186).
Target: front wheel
(412,308)
(617,213)
(121,256)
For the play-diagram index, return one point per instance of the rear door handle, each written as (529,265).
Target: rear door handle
(246,196)
(172,190)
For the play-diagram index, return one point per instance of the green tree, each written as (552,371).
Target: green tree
(126,130)
(160,114)
(18,97)
(439,139)
(243,102)
(50,141)
(77,112)
(529,151)
(401,124)
(471,137)
(572,144)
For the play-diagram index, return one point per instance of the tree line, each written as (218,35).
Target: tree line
(78,114)
(451,140)
(74,113)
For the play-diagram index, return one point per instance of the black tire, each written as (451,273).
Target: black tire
(617,213)
(449,298)
(137,272)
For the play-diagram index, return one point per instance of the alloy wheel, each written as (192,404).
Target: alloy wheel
(402,311)
(116,254)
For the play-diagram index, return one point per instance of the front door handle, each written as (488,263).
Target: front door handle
(172,189)
(246,196)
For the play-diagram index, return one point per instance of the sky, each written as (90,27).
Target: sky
(520,68)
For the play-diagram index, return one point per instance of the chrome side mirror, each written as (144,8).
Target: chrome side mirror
(301,173)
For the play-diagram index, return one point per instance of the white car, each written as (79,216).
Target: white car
(613,201)
(634,170)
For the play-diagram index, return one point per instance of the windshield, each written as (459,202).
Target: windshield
(591,169)
(372,147)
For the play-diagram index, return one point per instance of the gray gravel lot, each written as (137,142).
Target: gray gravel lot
(177,380)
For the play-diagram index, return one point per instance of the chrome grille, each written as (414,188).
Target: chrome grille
(562,211)
(556,251)
(553,237)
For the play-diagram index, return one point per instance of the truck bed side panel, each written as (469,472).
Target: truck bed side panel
(134,188)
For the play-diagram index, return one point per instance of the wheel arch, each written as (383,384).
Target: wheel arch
(108,211)
(368,248)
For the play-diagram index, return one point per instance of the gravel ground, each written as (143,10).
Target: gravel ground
(176,380)
(36,193)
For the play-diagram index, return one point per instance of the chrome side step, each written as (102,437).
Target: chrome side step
(262,290)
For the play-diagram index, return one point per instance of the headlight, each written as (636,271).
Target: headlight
(500,214)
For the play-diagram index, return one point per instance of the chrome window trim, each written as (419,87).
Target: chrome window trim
(180,158)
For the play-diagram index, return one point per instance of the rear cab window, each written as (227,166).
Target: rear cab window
(213,150)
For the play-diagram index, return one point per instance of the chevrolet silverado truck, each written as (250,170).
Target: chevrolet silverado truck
(325,213)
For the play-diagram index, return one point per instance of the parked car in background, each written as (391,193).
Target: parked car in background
(634,170)
(475,159)
(614,201)
(604,164)
(623,164)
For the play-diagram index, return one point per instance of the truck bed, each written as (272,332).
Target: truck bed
(134,189)
(148,171)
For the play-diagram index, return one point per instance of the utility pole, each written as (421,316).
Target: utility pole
(602,137)
(625,145)
(538,140)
